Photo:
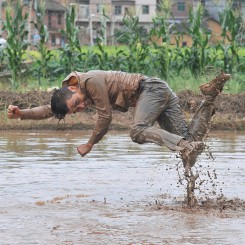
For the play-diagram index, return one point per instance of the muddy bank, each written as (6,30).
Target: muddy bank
(230,114)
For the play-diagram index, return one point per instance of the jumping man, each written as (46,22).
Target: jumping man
(152,99)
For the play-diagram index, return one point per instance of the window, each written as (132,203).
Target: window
(203,2)
(26,2)
(83,11)
(98,8)
(58,41)
(145,9)
(181,6)
(236,6)
(118,10)
(59,19)
(53,40)
(49,20)
(184,44)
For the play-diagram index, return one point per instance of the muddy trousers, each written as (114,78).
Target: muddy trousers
(200,123)
(158,103)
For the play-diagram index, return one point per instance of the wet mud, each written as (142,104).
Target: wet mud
(229,115)
(204,194)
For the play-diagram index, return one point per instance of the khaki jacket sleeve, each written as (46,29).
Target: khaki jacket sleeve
(37,113)
(97,91)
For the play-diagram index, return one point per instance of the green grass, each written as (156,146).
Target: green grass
(110,50)
(188,82)
(178,83)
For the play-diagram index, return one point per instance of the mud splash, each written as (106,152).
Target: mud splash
(193,177)
(203,191)
(204,194)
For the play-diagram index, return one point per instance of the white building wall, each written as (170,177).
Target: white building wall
(152,10)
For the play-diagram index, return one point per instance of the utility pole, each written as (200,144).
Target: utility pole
(91,29)
(29,22)
(112,31)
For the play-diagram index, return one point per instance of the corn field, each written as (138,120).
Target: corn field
(140,52)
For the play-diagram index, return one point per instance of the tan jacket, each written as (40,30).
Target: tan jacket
(106,89)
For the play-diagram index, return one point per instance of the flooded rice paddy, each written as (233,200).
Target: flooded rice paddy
(121,193)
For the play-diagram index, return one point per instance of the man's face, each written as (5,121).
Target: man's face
(78,101)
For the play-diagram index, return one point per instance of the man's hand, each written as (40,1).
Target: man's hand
(84,149)
(14,112)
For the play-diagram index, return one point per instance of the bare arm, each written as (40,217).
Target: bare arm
(36,113)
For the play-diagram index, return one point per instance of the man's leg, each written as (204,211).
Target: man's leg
(172,119)
(155,98)
(201,121)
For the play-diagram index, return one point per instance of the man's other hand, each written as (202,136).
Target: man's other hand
(84,149)
(13,112)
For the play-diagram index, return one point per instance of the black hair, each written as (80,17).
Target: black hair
(58,102)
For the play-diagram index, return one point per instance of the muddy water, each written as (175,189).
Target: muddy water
(122,193)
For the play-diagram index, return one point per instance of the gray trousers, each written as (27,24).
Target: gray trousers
(158,103)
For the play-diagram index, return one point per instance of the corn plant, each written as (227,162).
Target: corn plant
(232,32)
(2,50)
(15,26)
(41,68)
(71,53)
(136,39)
(90,60)
(198,56)
(161,37)
(102,58)
(119,60)
(177,62)
(103,18)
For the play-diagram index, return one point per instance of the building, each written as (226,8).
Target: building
(210,22)
(55,21)
(91,18)
(100,18)
(214,7)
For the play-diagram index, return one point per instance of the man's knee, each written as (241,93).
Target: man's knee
(137,136)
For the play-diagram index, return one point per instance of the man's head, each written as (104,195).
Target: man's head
(68,100)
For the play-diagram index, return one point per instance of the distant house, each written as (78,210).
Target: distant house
(215,29)
(93,24)
(55,21)
(91,18)
(209,24)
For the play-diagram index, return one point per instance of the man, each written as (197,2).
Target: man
(152,98)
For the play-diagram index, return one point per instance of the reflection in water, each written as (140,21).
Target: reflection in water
(107,197)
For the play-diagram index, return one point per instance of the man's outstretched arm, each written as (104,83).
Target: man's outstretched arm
(97,90)
(36,113)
